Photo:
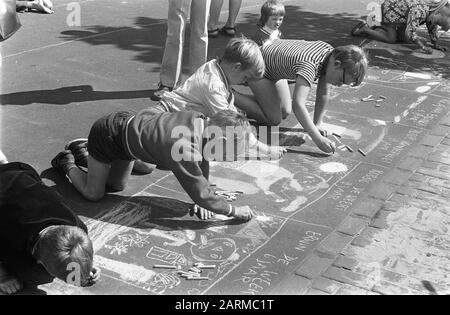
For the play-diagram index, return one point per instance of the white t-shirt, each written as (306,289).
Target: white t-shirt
(206,91)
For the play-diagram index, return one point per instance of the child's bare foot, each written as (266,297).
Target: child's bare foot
(8,284)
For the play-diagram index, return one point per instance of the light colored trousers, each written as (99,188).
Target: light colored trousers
(172,63)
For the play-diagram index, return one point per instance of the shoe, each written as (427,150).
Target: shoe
(356,31)
(63,162)
(159,93)
(228,31)
(213,33)
(78,147)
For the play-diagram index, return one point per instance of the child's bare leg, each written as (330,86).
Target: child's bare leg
(119,174)
(270,98)
(386,34)
(249,104)
(282,87)
(8,283)
(90,185)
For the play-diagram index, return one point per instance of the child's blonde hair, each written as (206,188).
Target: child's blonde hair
(246,52)
(354,60)
(63,245)
(271,8)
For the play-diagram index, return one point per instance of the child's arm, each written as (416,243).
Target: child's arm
(322,98)
(301,91)
(413,23)
(272,152)
(190,175)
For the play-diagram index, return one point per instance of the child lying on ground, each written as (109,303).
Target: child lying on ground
(402,18)
(36,224)
(272,16)
(182,142)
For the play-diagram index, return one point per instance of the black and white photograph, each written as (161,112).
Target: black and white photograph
(225,154)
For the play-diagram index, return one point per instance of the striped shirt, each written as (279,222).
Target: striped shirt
(287,59)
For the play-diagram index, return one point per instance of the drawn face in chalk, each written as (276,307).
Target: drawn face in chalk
(310,181)
(215,250)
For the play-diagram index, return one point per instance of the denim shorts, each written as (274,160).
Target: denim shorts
(107,138)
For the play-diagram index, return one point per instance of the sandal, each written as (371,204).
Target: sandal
(356,31)
(213,33)
(228,31)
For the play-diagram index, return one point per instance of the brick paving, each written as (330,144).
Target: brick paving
(397,240)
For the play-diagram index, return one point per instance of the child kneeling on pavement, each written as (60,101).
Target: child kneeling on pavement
(183,142)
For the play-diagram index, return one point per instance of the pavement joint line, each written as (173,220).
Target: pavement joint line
(79,39)
(280,228)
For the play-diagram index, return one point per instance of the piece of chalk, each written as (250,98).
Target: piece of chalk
(350,149)
(201,266)
(165,266)
(362,152)
(198,278)
(195,269)
(382,97)
(337,139)
(336,135)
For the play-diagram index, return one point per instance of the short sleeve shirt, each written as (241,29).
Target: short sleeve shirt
(287,59)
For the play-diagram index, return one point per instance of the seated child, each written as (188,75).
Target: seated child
(209,90)
(304,62)
(181,142)
(272,16)
(36,224)
(402,18)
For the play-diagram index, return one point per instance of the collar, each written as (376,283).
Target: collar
(222,73)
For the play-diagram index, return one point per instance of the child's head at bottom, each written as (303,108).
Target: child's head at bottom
(228,133)
(66,252)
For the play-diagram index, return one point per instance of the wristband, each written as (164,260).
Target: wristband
(231,212)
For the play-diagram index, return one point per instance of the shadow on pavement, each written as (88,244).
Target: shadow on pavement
(68,95)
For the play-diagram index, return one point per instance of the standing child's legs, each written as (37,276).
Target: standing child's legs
(214,15)
(198,52)
(234,8)
(171,66)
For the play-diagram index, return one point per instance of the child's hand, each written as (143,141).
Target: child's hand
(243,213)
(94,276)
(276,152)
(326,145)
(428,50)
(201,213)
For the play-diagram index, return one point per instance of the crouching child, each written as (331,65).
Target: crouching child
(37,225)
(183,142)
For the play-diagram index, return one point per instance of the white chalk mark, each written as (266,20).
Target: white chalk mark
(423,89)
(334,167)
